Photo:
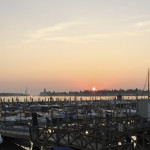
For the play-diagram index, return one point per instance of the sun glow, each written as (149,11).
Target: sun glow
(93,89)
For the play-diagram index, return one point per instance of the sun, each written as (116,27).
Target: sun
(93,89)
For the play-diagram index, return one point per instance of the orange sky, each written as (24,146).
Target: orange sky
(73,45)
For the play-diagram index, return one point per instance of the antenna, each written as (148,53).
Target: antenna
(26,91)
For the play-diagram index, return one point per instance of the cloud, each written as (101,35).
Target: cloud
(115,34)
(143,23)
(49,31)
(86,37)
(61,32)
(140,27)
(90,37)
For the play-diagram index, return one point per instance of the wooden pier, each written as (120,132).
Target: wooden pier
(110,132)
(119,133)
(96,134)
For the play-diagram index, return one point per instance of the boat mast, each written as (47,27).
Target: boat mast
(26,92)
(148,83)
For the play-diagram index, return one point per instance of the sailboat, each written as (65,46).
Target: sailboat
(143,105)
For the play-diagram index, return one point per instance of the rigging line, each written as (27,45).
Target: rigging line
(145,82)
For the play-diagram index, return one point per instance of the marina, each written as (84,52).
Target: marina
(77,123)
(72,75)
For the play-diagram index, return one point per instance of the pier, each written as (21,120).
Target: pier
(93,134)
(114,127)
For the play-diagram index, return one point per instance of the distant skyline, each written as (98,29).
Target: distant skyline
(67,45)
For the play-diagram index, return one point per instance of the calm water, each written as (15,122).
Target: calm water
(62,98)
(9,145)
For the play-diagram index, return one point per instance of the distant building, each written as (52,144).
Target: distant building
(44,90)
(44,93)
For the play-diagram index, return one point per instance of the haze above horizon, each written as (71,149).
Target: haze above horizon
(73,45)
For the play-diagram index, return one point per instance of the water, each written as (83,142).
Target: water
(62,98)
(9,145)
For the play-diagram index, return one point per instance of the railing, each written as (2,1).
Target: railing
(92,134)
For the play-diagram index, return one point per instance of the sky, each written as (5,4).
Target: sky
(65,45)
